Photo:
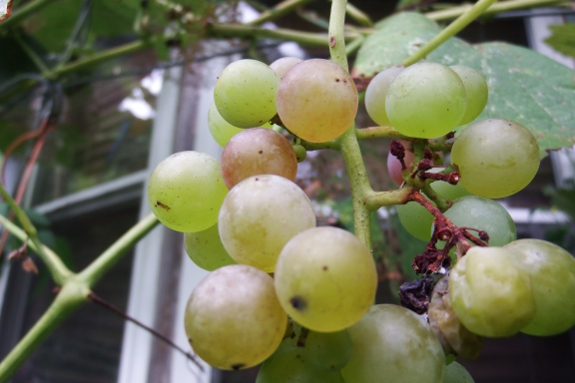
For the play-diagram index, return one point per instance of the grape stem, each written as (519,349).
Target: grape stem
(379,131)
(278,11)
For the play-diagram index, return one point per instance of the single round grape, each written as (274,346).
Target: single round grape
(489,295)
(328,351)
(245,93)
(317,100)
(375,95)
(186,191)
(392,344)
(394,166)
(283,65)
(221,130)
(416,219)
(552,273)
(483,214)
(257,151)
(475,89)
(426,100)
(259,216)
(233,318)
(205,249)
(325,279)
(456,373)
(300,153)
(496,158)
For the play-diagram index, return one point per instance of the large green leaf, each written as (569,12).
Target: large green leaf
(524,86)
(562,39)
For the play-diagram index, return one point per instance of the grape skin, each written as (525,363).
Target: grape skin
(416,219)
(283,65)
(456,373)
(475,89)
(233,318)
(375,96)
(221,130)
(205,249)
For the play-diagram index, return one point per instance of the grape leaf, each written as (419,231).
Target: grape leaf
(524,86)
(562,39)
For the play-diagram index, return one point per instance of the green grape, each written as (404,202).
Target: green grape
(257,151)
(426,100)
(483,214)
(221,130)
(392,344)
(300,153)
(456,373)
(325,279)
(290,365)
(233,318)
(328,351)
(283,65)
(496,158)
(552,273)
(489,295)
(375,95)
(205,249)
(416,219)
(447,190)
(317,100)
(475,89)
(186,191)
(245,93)
(259,216)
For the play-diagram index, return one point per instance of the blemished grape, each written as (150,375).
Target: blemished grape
(475,89)
(416,219)
(257,151)
(426,100)
(259,216)
(283,65)
(552,273)
(186,191)
(317,100)
(328,351)
(205,249)
(483,214)
(496,158)
(233,318)
(456,373)
(489,295)
(375,95)
(392,344)
(394,166)
(221,130)
(245,93)
(325,279)
(291,365)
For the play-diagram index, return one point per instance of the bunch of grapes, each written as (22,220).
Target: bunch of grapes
(299,298)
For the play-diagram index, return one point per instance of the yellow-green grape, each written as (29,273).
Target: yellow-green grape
(328,351)
(456,373)
(392,344)
(186,191)
(300,153)
(496,158)
(283,65)
(205,249)
(426,100)
(375,95)
(245,93)
(233,318)
(325,279)
(475,89)
(552,273)
(489,295)
(221,130)
(416,219)
(317,100)
(259,216)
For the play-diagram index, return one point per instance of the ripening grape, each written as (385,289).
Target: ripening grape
(489,295)
(426,100)
(259,216)
(394,166)
(392,344)
(300,153)
(375,95)
(233,318)
(496,158)
(325,279)
(552,273)
(456,373)
(257,151)
(317,100)
(221,130)
(205,249)
(475,89)
(328,351)
(283,65)
(416,219)
(245,93)
(186,191)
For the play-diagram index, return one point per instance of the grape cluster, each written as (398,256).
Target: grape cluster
(299,298)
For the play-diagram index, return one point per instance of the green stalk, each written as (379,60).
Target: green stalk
(462,21)
(31,54)
(504,6)
(354,45)
(21,14)
(240,30)
(376,200)
(358,15)
(278,11)
(379,131)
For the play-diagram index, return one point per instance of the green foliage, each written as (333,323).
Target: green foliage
(563,39)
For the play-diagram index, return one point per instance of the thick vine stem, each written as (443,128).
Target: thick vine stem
(503,6)
(379,131)
(375,200)
(461,22)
